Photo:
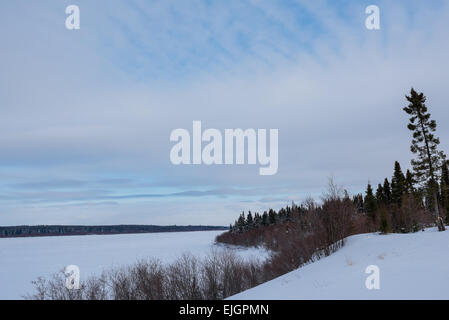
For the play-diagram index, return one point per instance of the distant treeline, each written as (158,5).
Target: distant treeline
(61,230)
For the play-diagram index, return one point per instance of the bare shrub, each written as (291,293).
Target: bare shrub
(54,288)
(364,224)
(142,281)
(411,216)
(219,275)
(211,277)
(183,279)
(231,269)
(120,284)
(96,288)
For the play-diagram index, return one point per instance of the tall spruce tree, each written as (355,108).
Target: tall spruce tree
(265,221)
(387,191)
(257,219)
(241,222)
(249,220)
(380,194)
(424,144)
(271,216)
(370,202)
(397,185)
(409,183)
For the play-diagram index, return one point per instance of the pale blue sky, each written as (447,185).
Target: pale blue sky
(86,115)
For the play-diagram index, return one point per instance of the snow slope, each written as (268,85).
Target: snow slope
(24,259)
(412,266)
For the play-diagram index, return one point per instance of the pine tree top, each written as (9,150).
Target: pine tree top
(424,144)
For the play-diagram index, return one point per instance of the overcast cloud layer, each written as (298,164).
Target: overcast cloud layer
(86,116)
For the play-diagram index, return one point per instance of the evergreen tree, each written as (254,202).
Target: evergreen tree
(265,221)
(257,219)
(445,173)
(409,183)
(357,200)
(282,214)
(241,222)
(429,159)
(431,195)
(387,191)
(397,185)
(271,216)
(249,220)
(380,194)
(288,214)
(370,202)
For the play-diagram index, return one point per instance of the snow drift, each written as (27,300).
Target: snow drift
(412,266)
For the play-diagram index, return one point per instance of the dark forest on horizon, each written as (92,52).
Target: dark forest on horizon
(70,230)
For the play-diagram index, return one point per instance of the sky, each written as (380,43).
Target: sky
(86,115)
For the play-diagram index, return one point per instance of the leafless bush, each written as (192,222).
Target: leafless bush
(211,276)
(411,216)
(231,273)
(334,191)
(183,279)
(95,288)
(219,275)
(54,288)
(364,224)
(142,281)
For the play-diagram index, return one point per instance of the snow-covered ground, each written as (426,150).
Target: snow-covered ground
(412,266)
(24,259)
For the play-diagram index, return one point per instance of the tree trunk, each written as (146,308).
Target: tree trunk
(437,209)
(440,224)
(439,221)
